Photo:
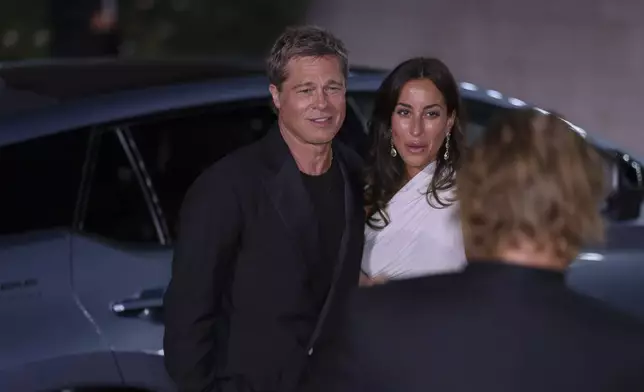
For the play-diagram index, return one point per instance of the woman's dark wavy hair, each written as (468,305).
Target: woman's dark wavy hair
(385,175)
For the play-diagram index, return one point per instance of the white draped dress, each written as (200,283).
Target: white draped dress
(419,239)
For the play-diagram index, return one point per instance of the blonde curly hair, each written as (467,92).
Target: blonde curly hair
(532,179)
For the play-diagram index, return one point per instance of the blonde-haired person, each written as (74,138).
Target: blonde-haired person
(529,194)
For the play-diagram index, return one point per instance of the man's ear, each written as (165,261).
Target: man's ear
(275,93)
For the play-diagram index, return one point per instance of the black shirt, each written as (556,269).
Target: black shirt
(327,195)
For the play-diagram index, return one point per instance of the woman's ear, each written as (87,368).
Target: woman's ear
(450,121)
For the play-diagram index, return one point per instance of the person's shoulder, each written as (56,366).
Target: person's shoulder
(604,325)
(613,332)
(230,175)
(606,317)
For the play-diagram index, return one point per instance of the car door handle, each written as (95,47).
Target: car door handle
(135,305)
(147,303)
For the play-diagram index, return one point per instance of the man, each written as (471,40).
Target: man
(271,236)
(528,196)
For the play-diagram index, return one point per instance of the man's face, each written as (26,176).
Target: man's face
(311,102)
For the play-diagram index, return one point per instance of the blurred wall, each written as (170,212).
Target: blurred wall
(584,58)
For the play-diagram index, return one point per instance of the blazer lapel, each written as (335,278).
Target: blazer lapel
(291,200)
(353,217)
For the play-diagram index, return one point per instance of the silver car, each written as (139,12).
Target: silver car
(95,157)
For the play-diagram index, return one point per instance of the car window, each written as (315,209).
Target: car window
(40,182)
(116,207)
(477,114)
(353,132)
(364,101)
(179,147)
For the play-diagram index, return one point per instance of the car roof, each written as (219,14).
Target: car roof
(44,97)
(66,79)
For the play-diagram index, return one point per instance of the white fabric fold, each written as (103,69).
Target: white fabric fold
(419,239)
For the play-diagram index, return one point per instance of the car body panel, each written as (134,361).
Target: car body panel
(145,370)
(62,373)
(43,321)
(105,274)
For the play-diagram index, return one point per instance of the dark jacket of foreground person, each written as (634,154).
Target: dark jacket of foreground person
(496,327)
(245,299)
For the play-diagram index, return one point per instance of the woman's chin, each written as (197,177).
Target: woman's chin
(417,163)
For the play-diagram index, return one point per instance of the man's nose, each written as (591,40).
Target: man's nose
(321,100)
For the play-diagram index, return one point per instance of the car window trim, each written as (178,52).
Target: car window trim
(145,183)
(356,110)
(84,190)
(133,156)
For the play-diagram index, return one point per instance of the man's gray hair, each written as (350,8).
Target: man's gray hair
(303,41)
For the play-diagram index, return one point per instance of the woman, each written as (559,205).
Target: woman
(417,142)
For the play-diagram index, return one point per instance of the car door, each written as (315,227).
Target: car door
(118,253)
(142,170)
(47,341)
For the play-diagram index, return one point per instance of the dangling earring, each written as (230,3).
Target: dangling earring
(446,155)
(393,151)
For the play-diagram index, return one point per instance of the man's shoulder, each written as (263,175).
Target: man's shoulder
(236,166)
(606,318)
(232,174)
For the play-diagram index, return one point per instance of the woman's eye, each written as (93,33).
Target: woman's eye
(403,112)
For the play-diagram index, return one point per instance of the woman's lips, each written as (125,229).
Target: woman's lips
(416,148)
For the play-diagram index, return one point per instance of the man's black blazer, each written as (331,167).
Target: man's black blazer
(238,311)
(495,327)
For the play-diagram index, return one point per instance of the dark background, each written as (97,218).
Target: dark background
(145,28)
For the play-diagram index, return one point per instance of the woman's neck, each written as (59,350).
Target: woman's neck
(413,171)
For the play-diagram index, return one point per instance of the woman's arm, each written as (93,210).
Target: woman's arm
(366,281)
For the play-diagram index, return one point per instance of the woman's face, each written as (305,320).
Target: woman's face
(419,124)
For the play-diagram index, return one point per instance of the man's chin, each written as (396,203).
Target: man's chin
(322,136)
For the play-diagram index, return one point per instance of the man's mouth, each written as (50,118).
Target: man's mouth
(322,121)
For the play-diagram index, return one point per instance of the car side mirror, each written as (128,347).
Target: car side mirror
(627,191)
(624,204)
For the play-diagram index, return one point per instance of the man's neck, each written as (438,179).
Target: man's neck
(311,159)
(530,256)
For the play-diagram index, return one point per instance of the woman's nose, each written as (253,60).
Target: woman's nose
(417,128)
